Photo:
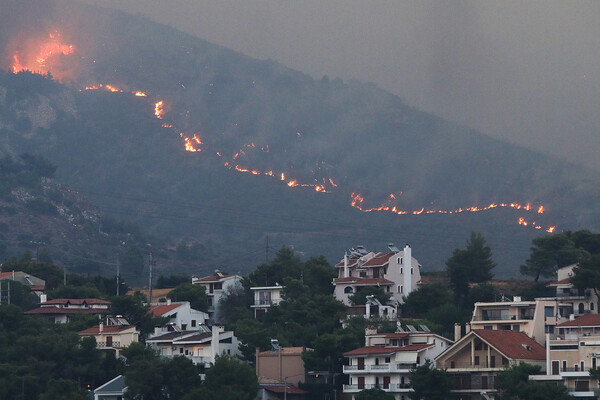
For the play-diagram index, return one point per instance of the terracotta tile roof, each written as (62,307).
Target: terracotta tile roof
(77,301)
(351,262)
(160,310)
(363,281)
(562,282)
(396,335)
(281,389)
(583,321)
(514,345)
(37,288)
(95,330)
(386,350)
(380,259)
(6,274)
(55,310)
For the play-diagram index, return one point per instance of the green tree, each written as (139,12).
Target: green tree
(360,297)
(425,298)
(195,294)
(133,309)
(373,394)
(587,274)
(429,383)
(286,264)
(552,252)
(229,379)
(473,264)
(513,384)
(63,389)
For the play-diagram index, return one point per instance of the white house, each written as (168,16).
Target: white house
(265,297)
(387,358)
(217,285)
(201,346)
(182,317)
(61,310)
(396,271)
(112,334)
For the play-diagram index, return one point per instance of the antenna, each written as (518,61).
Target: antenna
(118,273)
(150,281)
(267,249)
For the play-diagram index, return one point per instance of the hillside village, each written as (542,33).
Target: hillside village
(374,326)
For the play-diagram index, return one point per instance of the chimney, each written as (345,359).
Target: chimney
(516,298)
(101,327)
(407,266)
(467,327)
(43,298)
(214,342)
(369,330)
(346,270)
(168,302)
(457,332)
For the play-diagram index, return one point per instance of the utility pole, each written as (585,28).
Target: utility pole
(64,276)
(0,292)
(267,249)
(9,291)
(150,282)
(118,273)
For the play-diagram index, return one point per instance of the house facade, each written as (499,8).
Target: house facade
(387,358)
(572,353)
(264,298)
(201,346)
(60,311)
(396,271)
(474,360)
(182,317)
(216,285)
(113,334)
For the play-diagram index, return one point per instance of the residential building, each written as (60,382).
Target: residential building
(387,358)
(474,360)
(396,271)
(372,309)
(216,285)
(182,317)
(201,346)
(35,284)
(112,390)
(574,301)
(113,334)
(572,353)
(281,391)
(265,297)
(61,310)
(281,364)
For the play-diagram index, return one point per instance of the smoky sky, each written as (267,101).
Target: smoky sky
(527,72)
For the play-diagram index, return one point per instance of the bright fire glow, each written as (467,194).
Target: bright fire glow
(42,58)
(159,109)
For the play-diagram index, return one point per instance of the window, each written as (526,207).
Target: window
(388,359)
(400,289)
(348,289)
(183,327)
(516,328)
(476,360)
(181,350)
(412,270)
(564,365)
(193,322)
(401,270)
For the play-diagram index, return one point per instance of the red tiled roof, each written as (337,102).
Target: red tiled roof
(562,282)
(363,281)
(6,274)
(514,345)
(386,350)
(161,310)
(77,301)
(396,335)
(584,320)
(61,310)
(281,389)
(38,288)
(379,260)
(95,330)
(285,351)
(212,278)
(351,262)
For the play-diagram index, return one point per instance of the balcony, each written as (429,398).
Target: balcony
(104,345)
(489,318)
(381,368)
(483,365)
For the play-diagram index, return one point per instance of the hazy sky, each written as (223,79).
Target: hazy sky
(524,71)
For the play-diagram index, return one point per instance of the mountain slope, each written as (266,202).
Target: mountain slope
(346,138)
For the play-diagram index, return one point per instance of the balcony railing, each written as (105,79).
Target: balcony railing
(467,365)
(379,368)
(392,387)
(104,345)
(481,318)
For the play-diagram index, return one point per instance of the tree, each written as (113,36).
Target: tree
(229,379)
(360,297)
(587,274)
(425,298)
(513,384)
(286,264)
(195,294)
(133,309)
(373,394)
(552,252)
(429,383)
(473,264)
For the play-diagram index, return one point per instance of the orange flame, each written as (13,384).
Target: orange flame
(540,210)
(159,109)
(41,62)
